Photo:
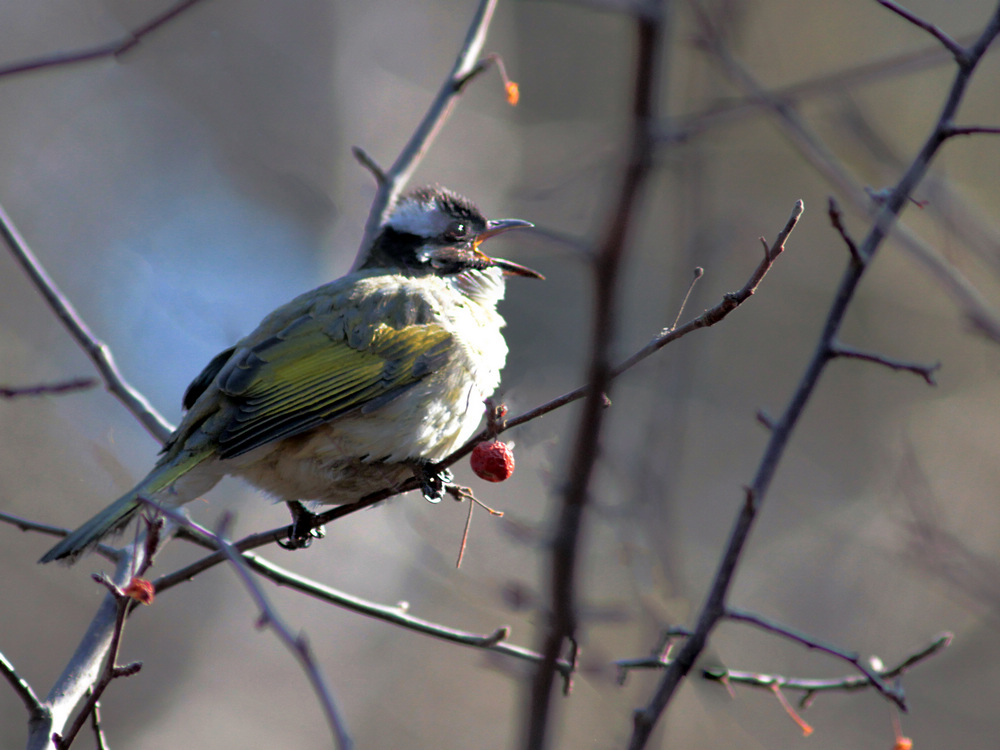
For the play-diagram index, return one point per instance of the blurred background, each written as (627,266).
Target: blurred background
(181,192)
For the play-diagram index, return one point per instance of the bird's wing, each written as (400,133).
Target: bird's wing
(317,369)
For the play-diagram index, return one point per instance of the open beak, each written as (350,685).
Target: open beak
(499,226)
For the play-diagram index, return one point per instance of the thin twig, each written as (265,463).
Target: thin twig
(111,669)
(892,693)
(110,553)
(837,220)
(809,144)
(810,687)
(971,130)
(110,49)
(495,641)
(21,686)
(297,644)
(95,724)
(96,349)
(923,370)
(47,389)
(394,179)
(957,50)
(714,607)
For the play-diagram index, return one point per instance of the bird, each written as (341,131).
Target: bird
(350,388)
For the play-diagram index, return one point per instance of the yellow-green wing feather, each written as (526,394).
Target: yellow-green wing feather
(309,374)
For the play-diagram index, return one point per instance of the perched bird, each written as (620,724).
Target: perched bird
(352,387)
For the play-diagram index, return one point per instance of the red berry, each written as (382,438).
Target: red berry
(492,461)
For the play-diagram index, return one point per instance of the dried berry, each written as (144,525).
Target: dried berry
(492,461)
(141,590)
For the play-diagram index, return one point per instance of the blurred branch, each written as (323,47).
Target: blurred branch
(923,370)
(982,316)
(685,127)
(111,49)
(93,347)
(714,608)
(649,28)
(47,389)
(810,687)
(21,686)
(956,49)
(390,182)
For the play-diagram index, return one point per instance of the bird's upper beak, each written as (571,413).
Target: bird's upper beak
(499,226)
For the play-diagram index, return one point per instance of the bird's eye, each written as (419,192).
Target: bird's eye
(455,231)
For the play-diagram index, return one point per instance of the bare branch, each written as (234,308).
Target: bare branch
(891,693)
(94,348)
(971,130)
(111,669)
(111,49)
(395,178)
(269,617)
(812,686)
(21,687)
(956,49)
(925,371)
(714,608)
(495,641)
(837,220)
(979,312)
(649,28)
(47,389)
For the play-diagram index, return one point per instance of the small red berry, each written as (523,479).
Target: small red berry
(492,461)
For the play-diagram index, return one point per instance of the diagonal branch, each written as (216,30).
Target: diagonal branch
(111,49)
(269,617)
(21,686)
(93,347)
(957,50)
(390,182)
(714,608)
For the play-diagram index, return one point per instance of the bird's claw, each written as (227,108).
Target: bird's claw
(304,528)
(432,483)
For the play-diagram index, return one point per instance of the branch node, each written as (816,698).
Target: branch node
(366,161)
(836,219)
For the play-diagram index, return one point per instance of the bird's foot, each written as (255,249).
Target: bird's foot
(304,528)
(432,483)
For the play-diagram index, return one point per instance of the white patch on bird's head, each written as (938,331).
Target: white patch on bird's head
(420,216)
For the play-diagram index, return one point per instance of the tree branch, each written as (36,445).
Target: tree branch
(93,347)
(957,50)
(21,686)
(852,658)
(714,607)
(390,182)
(111,49)
(269,617)
(812,686)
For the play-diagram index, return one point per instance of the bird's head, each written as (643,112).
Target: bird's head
(436,231)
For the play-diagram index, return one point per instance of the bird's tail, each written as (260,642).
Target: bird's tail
(108,521)
(117,515)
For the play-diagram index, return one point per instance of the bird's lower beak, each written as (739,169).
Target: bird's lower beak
(499,226)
